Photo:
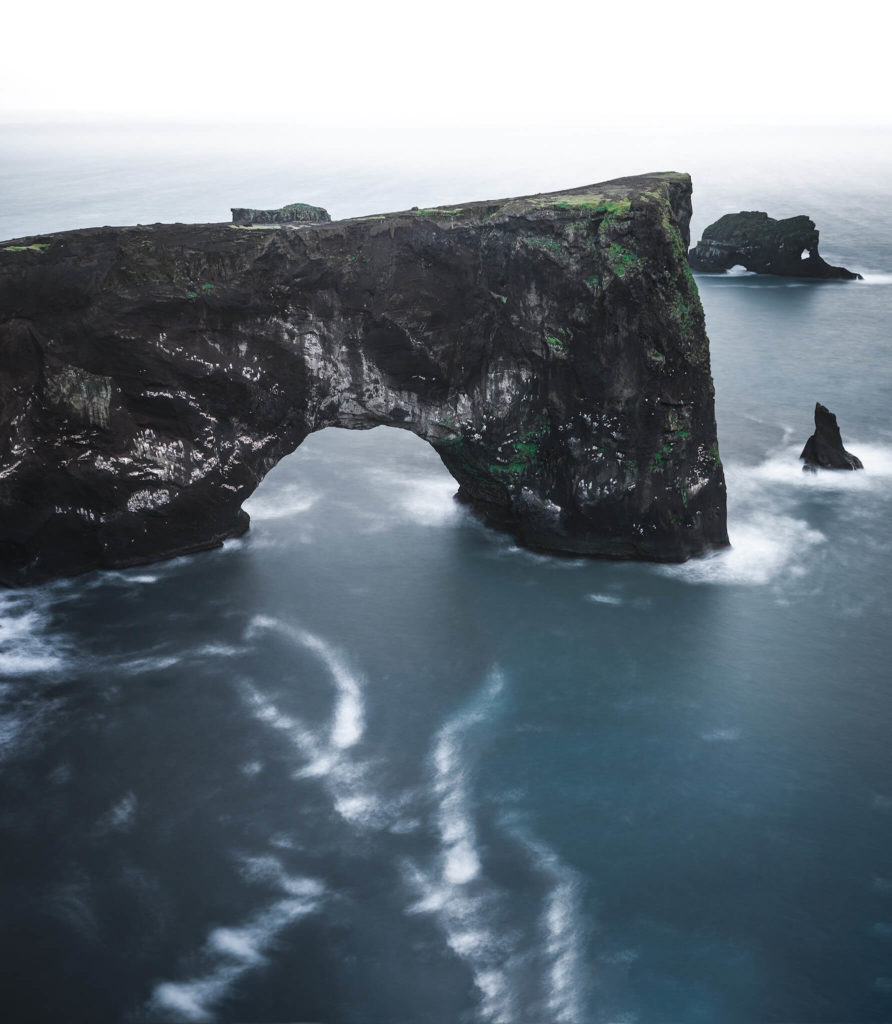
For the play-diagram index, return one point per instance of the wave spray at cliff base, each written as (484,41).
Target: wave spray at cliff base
(774,513)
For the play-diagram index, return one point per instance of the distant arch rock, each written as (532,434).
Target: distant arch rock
(763,245)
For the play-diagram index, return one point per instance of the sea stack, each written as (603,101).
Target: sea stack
(757,242)
(294,213)
(551,348)
(824,450)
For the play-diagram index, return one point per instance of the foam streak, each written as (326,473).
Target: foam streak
(232,952)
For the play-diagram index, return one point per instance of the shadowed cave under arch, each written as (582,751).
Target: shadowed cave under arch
(551,349)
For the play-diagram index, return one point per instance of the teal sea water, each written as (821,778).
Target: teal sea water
(372,762)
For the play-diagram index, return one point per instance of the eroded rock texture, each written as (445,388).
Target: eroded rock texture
(757,242)
(551,349)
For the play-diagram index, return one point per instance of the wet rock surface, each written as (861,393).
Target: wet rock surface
(824,450)
(550,348)
(759,243)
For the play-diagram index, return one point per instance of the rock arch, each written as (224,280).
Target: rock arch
(551,349)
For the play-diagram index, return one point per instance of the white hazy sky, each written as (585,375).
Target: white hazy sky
(470,61)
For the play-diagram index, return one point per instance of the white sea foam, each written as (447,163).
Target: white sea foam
(604,599)
(349,714)
(502,548)
(328,753)
(26,647)
(151,664)
(453,890)
(762,547)
(466,913)
(230,952)
(291,500)
(119,817)
(218,651)
(28,651)
(875,279)
(455,820)
(269,869)
(430,501)
(348,722)
(786,468)
(115,577)
(564,935)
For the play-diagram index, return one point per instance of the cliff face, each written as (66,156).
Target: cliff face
(757,242)
(551,349)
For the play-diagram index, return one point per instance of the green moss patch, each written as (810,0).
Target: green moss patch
(525,454)
(623,261)
(36,247)
(549,244)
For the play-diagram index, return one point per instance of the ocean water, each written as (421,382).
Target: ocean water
(373,762)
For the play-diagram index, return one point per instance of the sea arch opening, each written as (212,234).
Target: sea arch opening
(353,481)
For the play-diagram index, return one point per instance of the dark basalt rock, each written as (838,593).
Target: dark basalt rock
(295,213)
(759,243)
(550,348)
(824,448)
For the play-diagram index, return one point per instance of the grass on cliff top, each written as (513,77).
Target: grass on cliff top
(591,201)
(34,247)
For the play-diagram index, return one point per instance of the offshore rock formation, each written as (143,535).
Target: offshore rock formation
(759,243)
(824,450)
(295,213)
(550,348)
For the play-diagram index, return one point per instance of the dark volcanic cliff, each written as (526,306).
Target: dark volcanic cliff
(753,240)
(551,349)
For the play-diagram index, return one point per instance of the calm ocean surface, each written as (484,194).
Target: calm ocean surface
(373,763)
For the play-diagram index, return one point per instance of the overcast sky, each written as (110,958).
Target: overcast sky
(682,62)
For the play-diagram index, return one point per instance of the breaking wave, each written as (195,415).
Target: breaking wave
(771,537)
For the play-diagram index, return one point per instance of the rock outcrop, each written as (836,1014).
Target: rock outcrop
(295,213)
(757,242)
(550,348)
(824,450)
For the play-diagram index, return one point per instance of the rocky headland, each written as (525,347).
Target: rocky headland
(550,348)
(757,242)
